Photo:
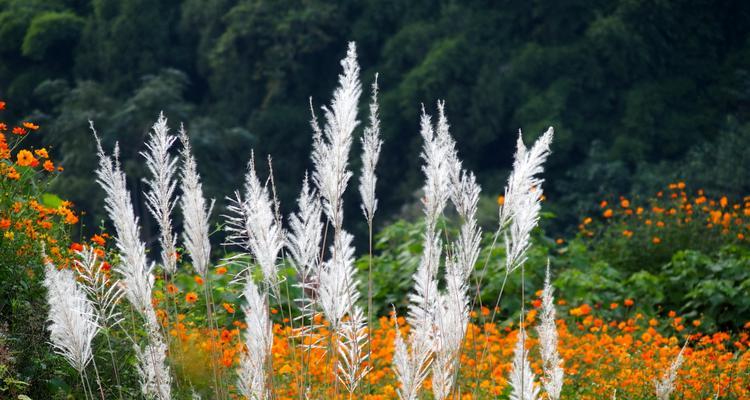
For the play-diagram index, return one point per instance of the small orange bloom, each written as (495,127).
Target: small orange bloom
(613,306)
(98,239)
(500,200)
(30,125)
(198,279)
(17,130)
(723,202)
(608,213)
(41,153)
(191,297)
(172,289)
(221,270)
(656,240)
(76,247)
(4,223)
(228,307)
(628,302)
(603,204)
(24,158)
(2,105)
(624,203)
(560,241)
(48,166)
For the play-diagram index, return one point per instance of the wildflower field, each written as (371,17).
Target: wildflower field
(247,298)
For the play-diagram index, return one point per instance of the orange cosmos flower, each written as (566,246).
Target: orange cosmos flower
(228,307)
(24,158)
(500,200)
(98,239)
(48,166)
(656,240)
(624,203)
(198,280)
(221,270)
(76,247)
(628,302)
(172,289)
(608,213)
(4,223)
(41,153)
(17,130)
(30,125)
(191,297)
(2,105)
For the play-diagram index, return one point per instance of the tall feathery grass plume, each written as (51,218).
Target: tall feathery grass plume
(195,210)
(371,145)
(73,320)
(303,242)
(138,279)
(160,197)
(453,318)
(522,379)
(552,381)
(252,225)
(666,385)
(254,368)
(412,358)
(523,195)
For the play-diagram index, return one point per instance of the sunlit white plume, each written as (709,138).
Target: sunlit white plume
(523,195)
(411,366)
(665,386)
(73,320)
(194,209)
(522,378)
(547,330)
(252,225)
(303,241)
(331,145)
(352,350)
(371,144)
(160,196)
(258,340)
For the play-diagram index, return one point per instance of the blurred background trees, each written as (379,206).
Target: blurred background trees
(640,92)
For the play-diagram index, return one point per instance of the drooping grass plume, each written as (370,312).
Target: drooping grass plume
(523,194)
(252,225)
(547,331)
(104,292)
(665,386)
(73,319)
(160,196)
(135,270)
(253,373)
(194,209)
(522,378)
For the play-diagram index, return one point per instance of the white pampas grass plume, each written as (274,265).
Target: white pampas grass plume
(522,379)
(252,381)
(137,277)
(371,144)
(194,210)
(410,366)
(153,370)
(665,386)
(337,292)
(73,320)
(133,266)
(352,352)
(252,225)
(104,292)
(303,241)
(547,330)
(160,196)
(523,195)
(331,144)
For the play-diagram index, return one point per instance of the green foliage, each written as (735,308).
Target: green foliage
(51,31)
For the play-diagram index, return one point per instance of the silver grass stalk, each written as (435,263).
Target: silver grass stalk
(331,145)
(371,144)
(160,196)
(665,386)
(134,268)
(352,350)
(253,226)
(547,330)
(523,195)
(252,381)
(73,320)
(522,379)
(411,366)
(194,209)
(104,293)
(303,242)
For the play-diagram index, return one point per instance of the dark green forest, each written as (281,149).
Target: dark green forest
(640,92)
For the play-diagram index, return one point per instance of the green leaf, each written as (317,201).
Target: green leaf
(51,200)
